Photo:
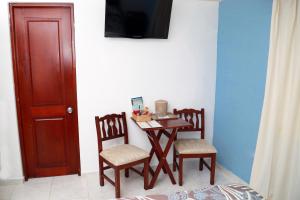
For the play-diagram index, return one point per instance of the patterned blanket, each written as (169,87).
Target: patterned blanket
(218,192)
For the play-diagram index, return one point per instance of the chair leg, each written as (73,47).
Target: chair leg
(146,174)
(180,170)
(201,164)
(126,173)
(101,171)
(213,168)
(174,159)
(117,183)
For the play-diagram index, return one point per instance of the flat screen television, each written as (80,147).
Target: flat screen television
(138,18)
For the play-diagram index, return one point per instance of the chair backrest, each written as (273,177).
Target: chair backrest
(194,117)
(110,127)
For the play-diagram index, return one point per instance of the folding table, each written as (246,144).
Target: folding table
(168,128)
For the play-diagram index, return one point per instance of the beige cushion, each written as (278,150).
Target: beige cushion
(193,146)
(123,154)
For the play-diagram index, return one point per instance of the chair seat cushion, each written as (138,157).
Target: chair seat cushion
(123,154)
(193,146)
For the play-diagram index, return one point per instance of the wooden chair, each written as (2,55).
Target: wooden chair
(193,148)
(119,157)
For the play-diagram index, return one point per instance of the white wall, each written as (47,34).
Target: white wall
(181,70)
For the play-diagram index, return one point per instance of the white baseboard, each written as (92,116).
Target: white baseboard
(219,166)
(12,181)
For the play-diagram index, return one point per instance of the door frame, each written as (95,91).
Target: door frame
(16,78)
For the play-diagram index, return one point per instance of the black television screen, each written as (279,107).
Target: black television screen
(138,18)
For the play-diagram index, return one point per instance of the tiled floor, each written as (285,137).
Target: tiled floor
(85,187)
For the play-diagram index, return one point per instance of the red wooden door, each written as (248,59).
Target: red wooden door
(44,71)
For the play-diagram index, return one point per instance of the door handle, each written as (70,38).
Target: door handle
(70,110)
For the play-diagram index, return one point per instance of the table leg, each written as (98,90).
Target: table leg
(159,134)
(150,170)
(163,155)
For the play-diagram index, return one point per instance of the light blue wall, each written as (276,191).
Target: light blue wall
(243,45)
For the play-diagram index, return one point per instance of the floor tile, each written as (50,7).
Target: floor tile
(6,191)
(32,190)
(86,187)
(69,187)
